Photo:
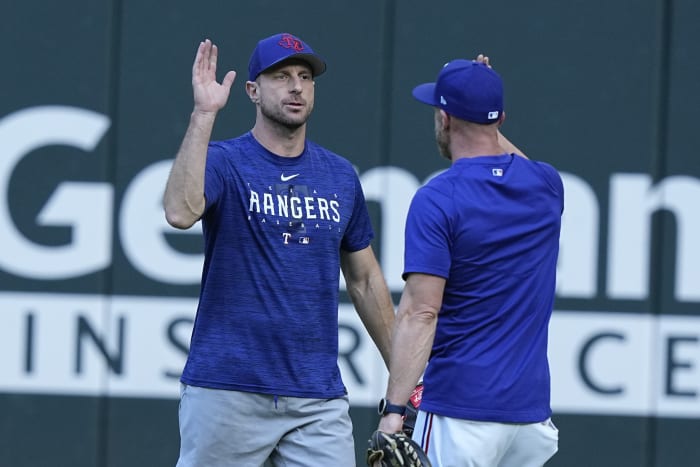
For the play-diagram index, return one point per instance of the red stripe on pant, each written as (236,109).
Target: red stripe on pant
(427,430)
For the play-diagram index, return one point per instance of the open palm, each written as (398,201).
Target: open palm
(209,96)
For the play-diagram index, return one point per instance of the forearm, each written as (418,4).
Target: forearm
(412,341)
(374,306)
(373,303)
(411,345)
(410,349)
(183,200)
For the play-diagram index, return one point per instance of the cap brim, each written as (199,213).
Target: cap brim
(425,93)
(318,66)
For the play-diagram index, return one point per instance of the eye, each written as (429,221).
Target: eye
(306,76)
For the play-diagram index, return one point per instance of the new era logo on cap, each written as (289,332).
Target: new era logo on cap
(443,101)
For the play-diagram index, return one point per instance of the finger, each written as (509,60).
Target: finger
(228,79)
(203,62)
(213,57)
(198,58)
(481,58)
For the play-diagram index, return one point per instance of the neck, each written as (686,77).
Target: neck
(475,141)
(278,139)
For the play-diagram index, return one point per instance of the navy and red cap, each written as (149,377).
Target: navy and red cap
(275,49)
(466,89)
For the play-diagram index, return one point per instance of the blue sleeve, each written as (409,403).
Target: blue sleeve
(359,233)
(214,175)
(427,235)
(554,180)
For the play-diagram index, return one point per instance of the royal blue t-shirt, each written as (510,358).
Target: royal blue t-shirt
(490,226)
(267,319)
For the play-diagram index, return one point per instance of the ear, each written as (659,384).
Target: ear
(502,118)
(445,119)
(253,91)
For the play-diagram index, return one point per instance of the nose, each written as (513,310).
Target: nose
(295,83)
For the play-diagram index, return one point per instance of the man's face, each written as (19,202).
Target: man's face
(287,94)
(442,136)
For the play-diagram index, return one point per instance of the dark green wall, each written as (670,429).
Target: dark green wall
(594,87)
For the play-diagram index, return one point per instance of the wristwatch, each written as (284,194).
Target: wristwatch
(386,407)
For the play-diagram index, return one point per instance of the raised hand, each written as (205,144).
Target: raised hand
(209,96)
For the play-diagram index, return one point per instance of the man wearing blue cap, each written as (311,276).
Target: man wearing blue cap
(281,216)
(481,249)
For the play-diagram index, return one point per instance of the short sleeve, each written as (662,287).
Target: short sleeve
(359,233)
(428,239)
(213,175)
(554,180)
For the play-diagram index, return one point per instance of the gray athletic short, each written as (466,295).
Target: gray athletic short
(230,428)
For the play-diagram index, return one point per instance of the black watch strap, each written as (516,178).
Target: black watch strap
(386,407)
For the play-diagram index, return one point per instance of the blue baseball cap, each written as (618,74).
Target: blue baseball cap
(466,89)
(275,49)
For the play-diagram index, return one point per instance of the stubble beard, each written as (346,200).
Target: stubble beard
(276,114)
(442,138)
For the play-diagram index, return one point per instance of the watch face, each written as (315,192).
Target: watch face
(382,406)
(386,407)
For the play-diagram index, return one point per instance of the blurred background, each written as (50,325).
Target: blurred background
(97,293)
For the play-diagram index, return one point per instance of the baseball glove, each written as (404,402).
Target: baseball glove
(395,450)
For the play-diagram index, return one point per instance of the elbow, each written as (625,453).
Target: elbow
(426,315)
(180,214)
(179,221)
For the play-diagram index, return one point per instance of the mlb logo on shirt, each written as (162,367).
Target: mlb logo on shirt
(497,172)
(304,240)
